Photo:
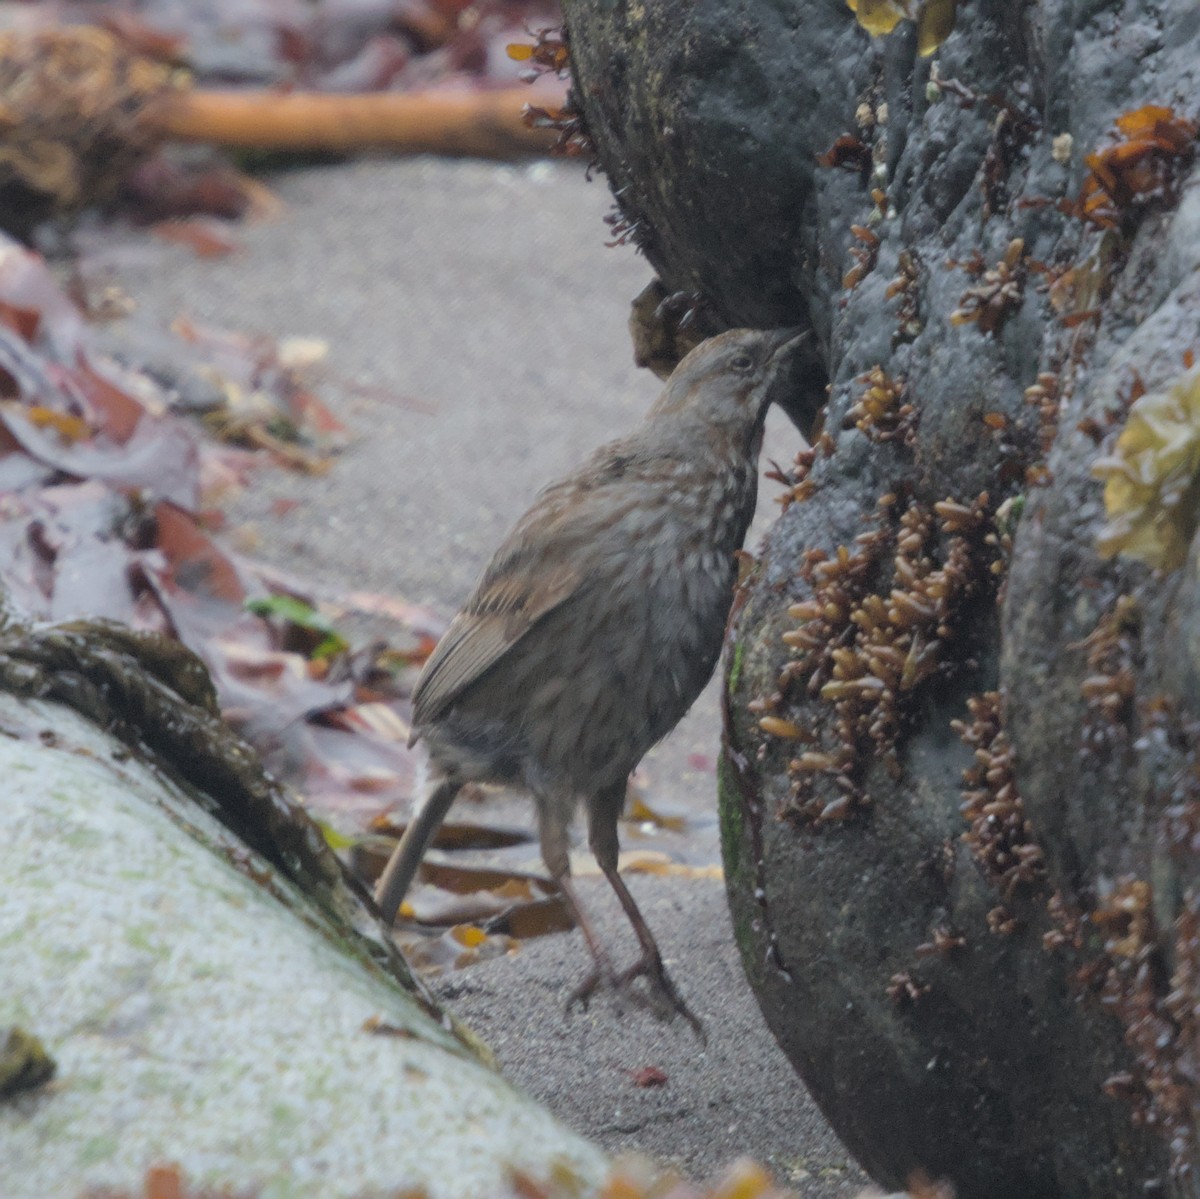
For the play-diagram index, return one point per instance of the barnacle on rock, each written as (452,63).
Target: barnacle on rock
(864,255)
(902,988)
(1157,1007)
(800,486)
(905,288)
(1067,931)
(1152,478)
(882,411)
(942,942)
(999,291)
(1110,685)
(1000,540)
(1044,396)
(869,640)
(998,833)
(1001,921)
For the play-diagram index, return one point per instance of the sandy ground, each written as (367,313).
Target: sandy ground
(478,348)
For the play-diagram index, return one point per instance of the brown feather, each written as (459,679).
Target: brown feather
(520,587)
(480,635)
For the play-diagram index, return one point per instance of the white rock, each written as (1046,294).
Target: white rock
(195,1018)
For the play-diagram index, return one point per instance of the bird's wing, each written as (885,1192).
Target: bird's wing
(538,567)
(494,620)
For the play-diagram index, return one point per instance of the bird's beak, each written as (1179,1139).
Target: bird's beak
(795,389)
(786,341)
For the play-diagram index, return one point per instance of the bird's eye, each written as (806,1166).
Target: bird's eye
(743,362)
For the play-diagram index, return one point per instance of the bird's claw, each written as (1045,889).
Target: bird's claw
(582,994)
(661,998)
(599,978)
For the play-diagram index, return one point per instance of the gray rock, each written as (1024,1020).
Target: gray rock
(201,1009)
(865,918)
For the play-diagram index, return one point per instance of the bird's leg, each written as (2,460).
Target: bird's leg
(603,812)
(402,866)
(554,814)
(650,964)
(601,974)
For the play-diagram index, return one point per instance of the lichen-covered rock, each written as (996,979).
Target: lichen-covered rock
(170,994)
(961,790)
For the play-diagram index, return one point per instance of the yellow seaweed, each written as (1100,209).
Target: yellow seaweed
(934,25)
(934,18)
(878,17)
(1152,478)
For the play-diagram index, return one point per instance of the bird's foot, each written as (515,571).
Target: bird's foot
(661,996)
(599,978)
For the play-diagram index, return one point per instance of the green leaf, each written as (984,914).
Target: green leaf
(305,616)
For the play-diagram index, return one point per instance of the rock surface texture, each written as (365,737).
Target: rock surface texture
(212,996)
(961,793)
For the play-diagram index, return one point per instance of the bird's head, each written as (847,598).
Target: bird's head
(728,381)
